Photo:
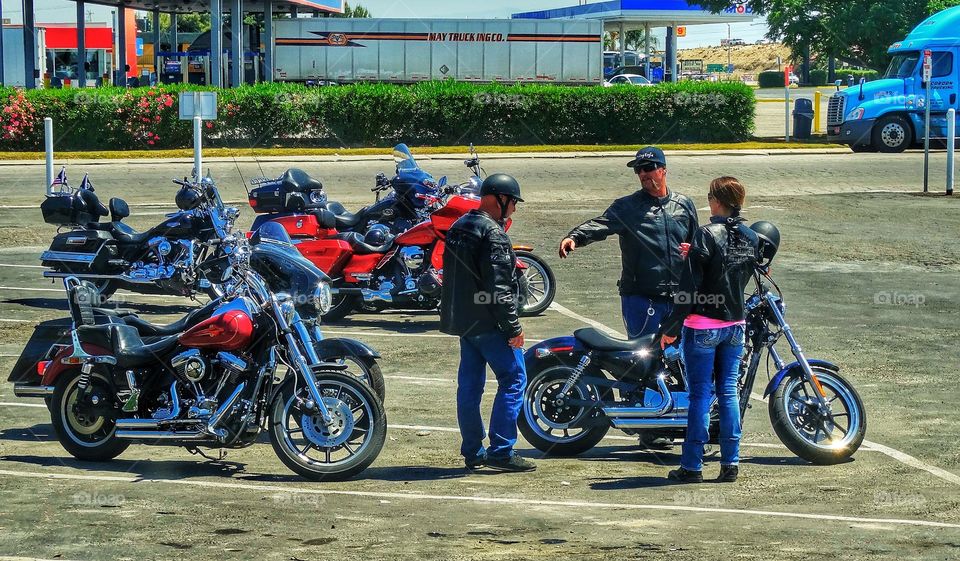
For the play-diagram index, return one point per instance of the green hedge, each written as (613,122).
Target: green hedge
(430,113)
(870,75)
(770,79)
(818,77)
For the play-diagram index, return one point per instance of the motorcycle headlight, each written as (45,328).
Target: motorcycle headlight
(855,114)
(322,297)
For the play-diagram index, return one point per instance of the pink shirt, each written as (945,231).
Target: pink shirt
(696,321)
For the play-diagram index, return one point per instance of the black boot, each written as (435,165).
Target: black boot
(683,475)
(514,463)
(728,474)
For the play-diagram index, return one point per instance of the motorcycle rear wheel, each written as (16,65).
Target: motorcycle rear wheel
(541,284)
(332,453)
(797,423)
(546,425)
(84,436)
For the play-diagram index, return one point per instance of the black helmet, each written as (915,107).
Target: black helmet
(188,198)
(769,240)
(501,184)
(377,235)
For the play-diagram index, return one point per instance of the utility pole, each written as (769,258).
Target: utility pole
(729,60)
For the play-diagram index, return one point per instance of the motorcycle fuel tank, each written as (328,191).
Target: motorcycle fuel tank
(229,329)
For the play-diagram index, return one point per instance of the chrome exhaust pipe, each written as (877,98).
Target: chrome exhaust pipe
(644,412)
(670,423)
(160,435)
(26,390)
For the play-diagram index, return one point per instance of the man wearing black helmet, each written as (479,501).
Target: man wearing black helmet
(480,303)
(655,226)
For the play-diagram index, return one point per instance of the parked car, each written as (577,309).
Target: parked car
(632,79)
(794,80)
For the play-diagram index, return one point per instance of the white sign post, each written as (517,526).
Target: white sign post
(927,74)
(951,142)
(48,148)
(198,107)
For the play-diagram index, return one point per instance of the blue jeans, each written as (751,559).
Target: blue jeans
(637,316)
(712,360)
(476,352)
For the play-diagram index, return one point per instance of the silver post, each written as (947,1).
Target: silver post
(48,147)
(951,143)
(786,118)
(197,132)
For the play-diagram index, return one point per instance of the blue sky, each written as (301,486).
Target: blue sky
(64,11)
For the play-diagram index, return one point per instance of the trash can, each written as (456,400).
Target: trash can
(802,118)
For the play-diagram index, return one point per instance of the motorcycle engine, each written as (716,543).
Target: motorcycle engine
(429,284)
(412,257)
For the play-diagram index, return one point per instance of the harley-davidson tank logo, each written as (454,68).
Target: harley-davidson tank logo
(337,39)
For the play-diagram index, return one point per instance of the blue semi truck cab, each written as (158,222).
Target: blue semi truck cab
(887,115)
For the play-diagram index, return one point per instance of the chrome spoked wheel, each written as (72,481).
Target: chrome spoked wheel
(540,284)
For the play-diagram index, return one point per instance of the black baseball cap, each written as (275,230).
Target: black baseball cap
(648,155)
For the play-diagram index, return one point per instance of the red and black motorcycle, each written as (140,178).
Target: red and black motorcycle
(377,269)
(217,383)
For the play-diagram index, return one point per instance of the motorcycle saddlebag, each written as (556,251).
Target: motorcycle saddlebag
(78,251)
(45,336)
(65,209)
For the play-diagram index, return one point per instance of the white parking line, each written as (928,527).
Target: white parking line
(381,495)
(5,265)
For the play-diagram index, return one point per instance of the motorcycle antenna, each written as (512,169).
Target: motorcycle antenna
(242,180)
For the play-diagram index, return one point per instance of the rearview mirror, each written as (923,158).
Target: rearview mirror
(442,182)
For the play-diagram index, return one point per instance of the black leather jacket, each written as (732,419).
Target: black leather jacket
(480,291)
(721,261)
(651,230)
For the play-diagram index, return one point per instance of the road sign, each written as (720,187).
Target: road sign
(716,67)
(787,70)
(927,65)
(681,31)
(202,104)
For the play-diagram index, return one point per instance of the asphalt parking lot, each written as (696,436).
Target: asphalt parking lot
(871,276)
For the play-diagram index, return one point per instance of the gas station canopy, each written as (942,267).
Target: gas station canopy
(635,14)
(204,6)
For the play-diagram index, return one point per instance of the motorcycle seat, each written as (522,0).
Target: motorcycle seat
(298,181)
(125,343)
(147,329)
(362,248)
(597,340)
(128,236)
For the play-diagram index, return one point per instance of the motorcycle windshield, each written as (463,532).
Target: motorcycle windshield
(284,269)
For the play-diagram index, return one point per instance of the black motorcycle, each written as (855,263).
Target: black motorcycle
(580,386)
(112,255)
(284,271)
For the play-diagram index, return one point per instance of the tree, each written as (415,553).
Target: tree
(635,41)
(858,32)
(192,23)
(358,12)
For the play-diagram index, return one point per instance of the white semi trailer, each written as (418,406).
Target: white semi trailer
(410,50)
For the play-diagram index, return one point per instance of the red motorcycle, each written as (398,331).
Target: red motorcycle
(379,270)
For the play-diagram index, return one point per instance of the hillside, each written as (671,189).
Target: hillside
(747,59)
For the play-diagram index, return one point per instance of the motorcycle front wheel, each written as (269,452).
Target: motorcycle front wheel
(334,452)
(820,438)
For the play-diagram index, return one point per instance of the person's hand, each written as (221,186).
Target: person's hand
(666,340)
(516,342)
(566,246)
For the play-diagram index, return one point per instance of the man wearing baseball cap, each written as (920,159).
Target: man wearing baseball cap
(655,226)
